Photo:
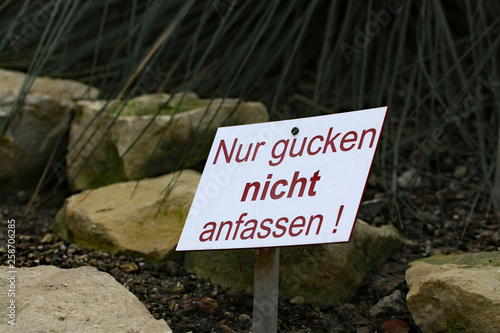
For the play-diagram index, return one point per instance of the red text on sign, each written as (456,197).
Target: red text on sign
(241,155)
(263,229)
(281,187)
(330,143)
(318,144)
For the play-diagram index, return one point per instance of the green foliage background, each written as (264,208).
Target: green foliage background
(433,62)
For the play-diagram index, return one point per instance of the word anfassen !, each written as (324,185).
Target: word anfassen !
(291,182)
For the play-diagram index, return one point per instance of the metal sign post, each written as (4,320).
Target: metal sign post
(265,299)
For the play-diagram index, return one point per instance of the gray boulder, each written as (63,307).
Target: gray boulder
(50,299)
(42,120)
(390,305)
(107,148)
(134,218)
(455,293)
(326,273)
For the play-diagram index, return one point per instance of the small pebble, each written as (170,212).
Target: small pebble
(129,267)
(297,300)
(460,172)
(226,329)
(395,326)
(48,238)
(208,305)
(244,317)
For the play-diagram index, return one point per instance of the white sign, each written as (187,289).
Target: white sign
(291,182)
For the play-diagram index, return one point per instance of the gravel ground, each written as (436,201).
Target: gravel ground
(190,304)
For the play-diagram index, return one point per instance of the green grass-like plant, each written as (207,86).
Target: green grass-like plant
(434,63)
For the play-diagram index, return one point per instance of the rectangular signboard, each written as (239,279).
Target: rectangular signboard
(283,183)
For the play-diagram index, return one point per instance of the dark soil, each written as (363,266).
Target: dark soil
(446,223)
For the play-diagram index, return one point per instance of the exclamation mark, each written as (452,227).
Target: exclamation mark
(338,218)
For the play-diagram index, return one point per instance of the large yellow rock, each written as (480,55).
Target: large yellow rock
(135,218)
(327,273)
(51,299)
(455,293)
(40,123)
(107,148)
